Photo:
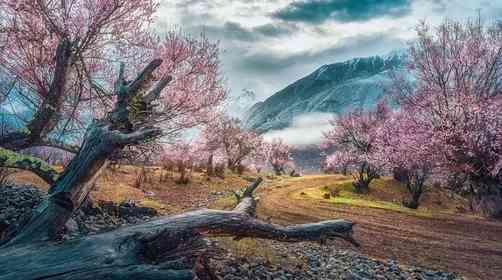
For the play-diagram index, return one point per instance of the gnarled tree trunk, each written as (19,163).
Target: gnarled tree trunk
(161,249)
(365,175)
(487,201)
(210,166)
(47,115)
(44,121)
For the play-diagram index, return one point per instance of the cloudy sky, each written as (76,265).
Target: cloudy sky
(267,44)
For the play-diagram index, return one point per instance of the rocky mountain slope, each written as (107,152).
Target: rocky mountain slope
(332,88)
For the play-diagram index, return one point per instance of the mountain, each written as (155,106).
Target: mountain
(332,88)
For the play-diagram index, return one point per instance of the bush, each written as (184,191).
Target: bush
(412,204)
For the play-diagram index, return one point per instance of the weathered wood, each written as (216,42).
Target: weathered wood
(47,115)
(154,250)
(103,138)
(147,250)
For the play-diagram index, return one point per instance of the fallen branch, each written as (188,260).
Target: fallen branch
(154,250)
(162,249)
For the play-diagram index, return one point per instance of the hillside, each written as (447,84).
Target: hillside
(332,88)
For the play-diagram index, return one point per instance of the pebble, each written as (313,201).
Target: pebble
(321,262)
(17,202)
(325,263)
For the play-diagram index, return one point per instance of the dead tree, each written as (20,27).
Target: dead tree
(155,250)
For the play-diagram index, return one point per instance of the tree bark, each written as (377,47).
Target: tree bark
(160,249)
(365,175)
(278,169)
(47,115)
(209,166)
(488,199)
(153,250)
(103,138)
(45,119)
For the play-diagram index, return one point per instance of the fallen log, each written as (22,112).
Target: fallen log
(166,248)
(160,249)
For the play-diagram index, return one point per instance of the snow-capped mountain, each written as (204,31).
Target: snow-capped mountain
(332,88)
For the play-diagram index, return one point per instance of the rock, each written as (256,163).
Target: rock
(16,203)
(72,226)
(324,263)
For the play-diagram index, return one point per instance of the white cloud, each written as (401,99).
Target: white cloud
(306,129)
(242,53)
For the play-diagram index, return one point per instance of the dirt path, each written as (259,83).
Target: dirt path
(468,245)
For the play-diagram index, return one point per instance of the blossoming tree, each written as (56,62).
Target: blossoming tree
(238,144)
(182,154)
(278,155)
(62,56)
(175,88)
(456,104)
(402,145)
(353,137)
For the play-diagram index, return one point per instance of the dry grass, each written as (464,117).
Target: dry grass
(168,197)
(436,235)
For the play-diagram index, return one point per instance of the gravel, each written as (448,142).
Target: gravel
(312,260)
(16,203)
(321,262)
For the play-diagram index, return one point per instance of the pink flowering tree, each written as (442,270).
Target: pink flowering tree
(211,149)
(456,104)
(238,144)
(341,161)
(403,146)
(243,146)
(62,57)
(353,137)
(278,155)
(257,161)
(182,155)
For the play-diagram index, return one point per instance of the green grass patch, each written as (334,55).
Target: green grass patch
(344,193)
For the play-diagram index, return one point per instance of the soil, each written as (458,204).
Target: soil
(471,246)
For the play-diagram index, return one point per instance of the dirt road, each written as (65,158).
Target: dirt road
(468,245)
